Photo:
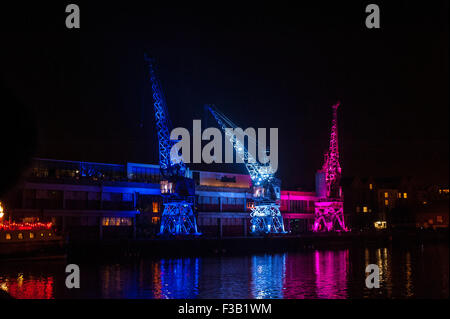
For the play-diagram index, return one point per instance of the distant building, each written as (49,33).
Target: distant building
(385,202)
(433,215)
(432,211)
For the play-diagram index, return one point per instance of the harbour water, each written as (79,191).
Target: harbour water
(419,271)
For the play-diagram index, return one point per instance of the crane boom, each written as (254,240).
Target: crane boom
(168,166)
(258,172)
(332,167)
(177,189)
(265,216)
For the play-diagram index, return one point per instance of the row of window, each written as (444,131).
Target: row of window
(31,235)
(212,221)
(75,170)
(76,195)
(298,205)
(145,174)
(224,200)
(400,195)
(363,209)
(117,221)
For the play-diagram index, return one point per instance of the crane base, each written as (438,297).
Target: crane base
(178,219)
(329,217)
(267,219)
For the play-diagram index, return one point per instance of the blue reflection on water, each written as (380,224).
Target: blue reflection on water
(179,278)
(268,276)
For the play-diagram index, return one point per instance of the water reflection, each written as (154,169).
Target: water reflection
(408,271)
(268,276)
(29,288)
(225,277)
(383,259)
(179,278)
(163,279)
(415,272)
(321,274)
(331,273)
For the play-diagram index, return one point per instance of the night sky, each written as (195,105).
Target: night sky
(84,95)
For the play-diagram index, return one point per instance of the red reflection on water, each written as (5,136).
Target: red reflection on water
(33,288)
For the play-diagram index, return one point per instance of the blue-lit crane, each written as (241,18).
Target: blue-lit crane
(177,189)
(265,215)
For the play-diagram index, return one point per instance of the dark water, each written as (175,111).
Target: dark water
(419,272)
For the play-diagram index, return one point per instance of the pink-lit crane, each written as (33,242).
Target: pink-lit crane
(329,209)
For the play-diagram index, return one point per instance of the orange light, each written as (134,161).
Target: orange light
(1,211)
(380,225)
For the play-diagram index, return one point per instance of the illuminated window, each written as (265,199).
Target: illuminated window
(399,195)
(386,195)
(155,207)
(166,187)
(258,191)
(31,235)
(439,219)
(116,221)
(8,236)
(380,225)
(358,209)
(386,202)
(20,235)
(365,209)
(370,186)
(155,220)
(405,195)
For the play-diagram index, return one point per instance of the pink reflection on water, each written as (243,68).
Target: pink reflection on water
(331,274)
(323,274)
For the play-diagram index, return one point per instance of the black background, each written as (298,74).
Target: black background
(82,94)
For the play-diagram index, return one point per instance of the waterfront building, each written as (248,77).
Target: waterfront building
(82,199)
(297,208)
(89,201)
